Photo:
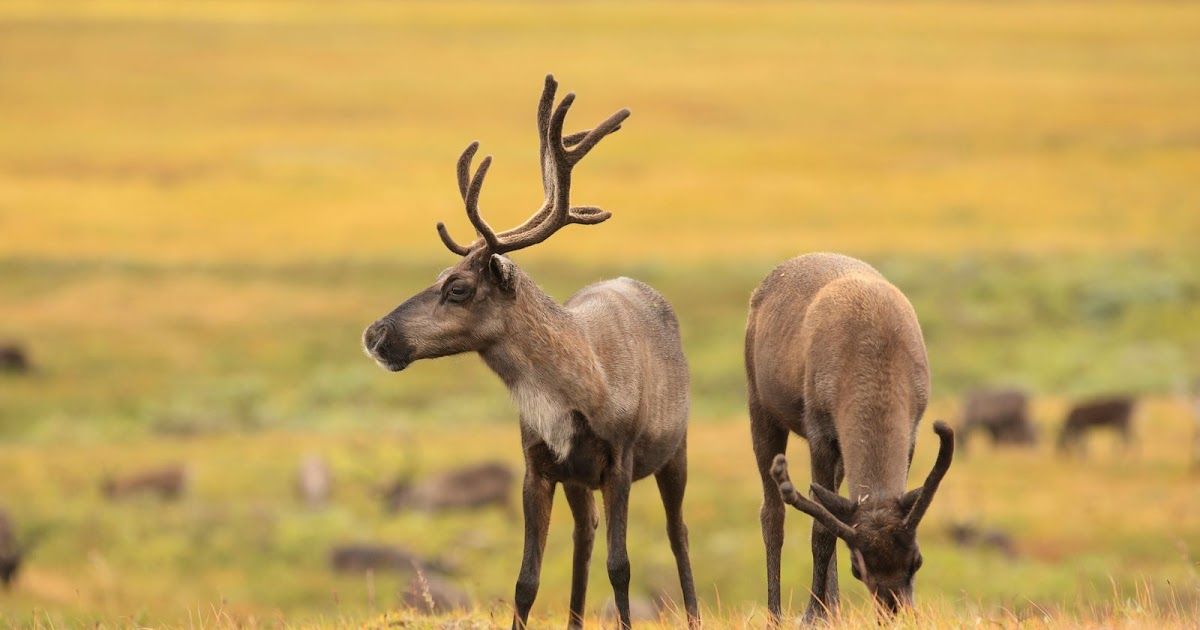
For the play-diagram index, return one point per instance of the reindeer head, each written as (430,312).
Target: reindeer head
(881,534)
(466,309)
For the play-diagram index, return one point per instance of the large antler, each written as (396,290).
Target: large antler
(559,155)
(819,512)
(945,456)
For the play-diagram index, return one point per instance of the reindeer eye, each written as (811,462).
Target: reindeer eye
(458,292)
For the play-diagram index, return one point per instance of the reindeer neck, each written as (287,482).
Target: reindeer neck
(875,450)
(546,359)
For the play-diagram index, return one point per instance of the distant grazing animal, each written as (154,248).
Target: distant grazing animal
(601,381)
(11,552)
(1115,413)
(358,558)
(967,535)
(13,358)
(470,487)
(167,483)
(834,354)
(1003,414)
(1195,404)
(314,481)
(430,593)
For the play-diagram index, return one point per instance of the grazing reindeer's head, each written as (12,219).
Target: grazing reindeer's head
(466,309)
(881,533)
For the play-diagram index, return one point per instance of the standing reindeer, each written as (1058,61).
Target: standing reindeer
(834,354)
(601,381)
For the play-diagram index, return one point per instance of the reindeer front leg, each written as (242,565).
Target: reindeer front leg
(826,469)
(616,515)
(583,508)
(537,497)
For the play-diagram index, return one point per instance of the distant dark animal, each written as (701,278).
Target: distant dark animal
(430,593)
(1195,404)
(14,359)
(834,353)
(466,488)
(358,558)
(601,381)
(1002,414)
(968,535)
(167,483)
(1115,413)
(314,481)
(11,552)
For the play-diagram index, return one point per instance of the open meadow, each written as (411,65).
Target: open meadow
(203,204)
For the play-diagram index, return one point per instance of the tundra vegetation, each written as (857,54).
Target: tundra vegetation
(188,255)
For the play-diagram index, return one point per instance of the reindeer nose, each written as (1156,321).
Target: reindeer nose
(374,335)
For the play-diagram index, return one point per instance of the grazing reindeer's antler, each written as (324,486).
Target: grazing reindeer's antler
(804,504)
(945,456)
(559,155)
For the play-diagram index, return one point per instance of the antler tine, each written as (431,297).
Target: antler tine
(472,203)
(574,139)
(819,512)
(464,168)
(944,458)
(543,121)
(593,137)
(562,162)
(470,187)
(449,242)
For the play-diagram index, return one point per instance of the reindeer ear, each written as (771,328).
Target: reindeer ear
(837,504)
(504,273)
(909,499)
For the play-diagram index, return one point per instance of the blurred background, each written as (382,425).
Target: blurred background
(203,204)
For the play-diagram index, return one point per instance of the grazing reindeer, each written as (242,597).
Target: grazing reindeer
(968,535)
(429,593)
(834,353)
(1003,414)
(1195,405)
(1115,413)
(361,557)
(13,358)
(601,381)
(168,482)
(11,551)
(466,488)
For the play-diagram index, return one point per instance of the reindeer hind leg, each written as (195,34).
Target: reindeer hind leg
(672,482)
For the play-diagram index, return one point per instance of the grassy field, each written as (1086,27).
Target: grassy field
(202,205)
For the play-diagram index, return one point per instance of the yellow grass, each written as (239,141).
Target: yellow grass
(1109,537)
(299,131)
(203,203)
